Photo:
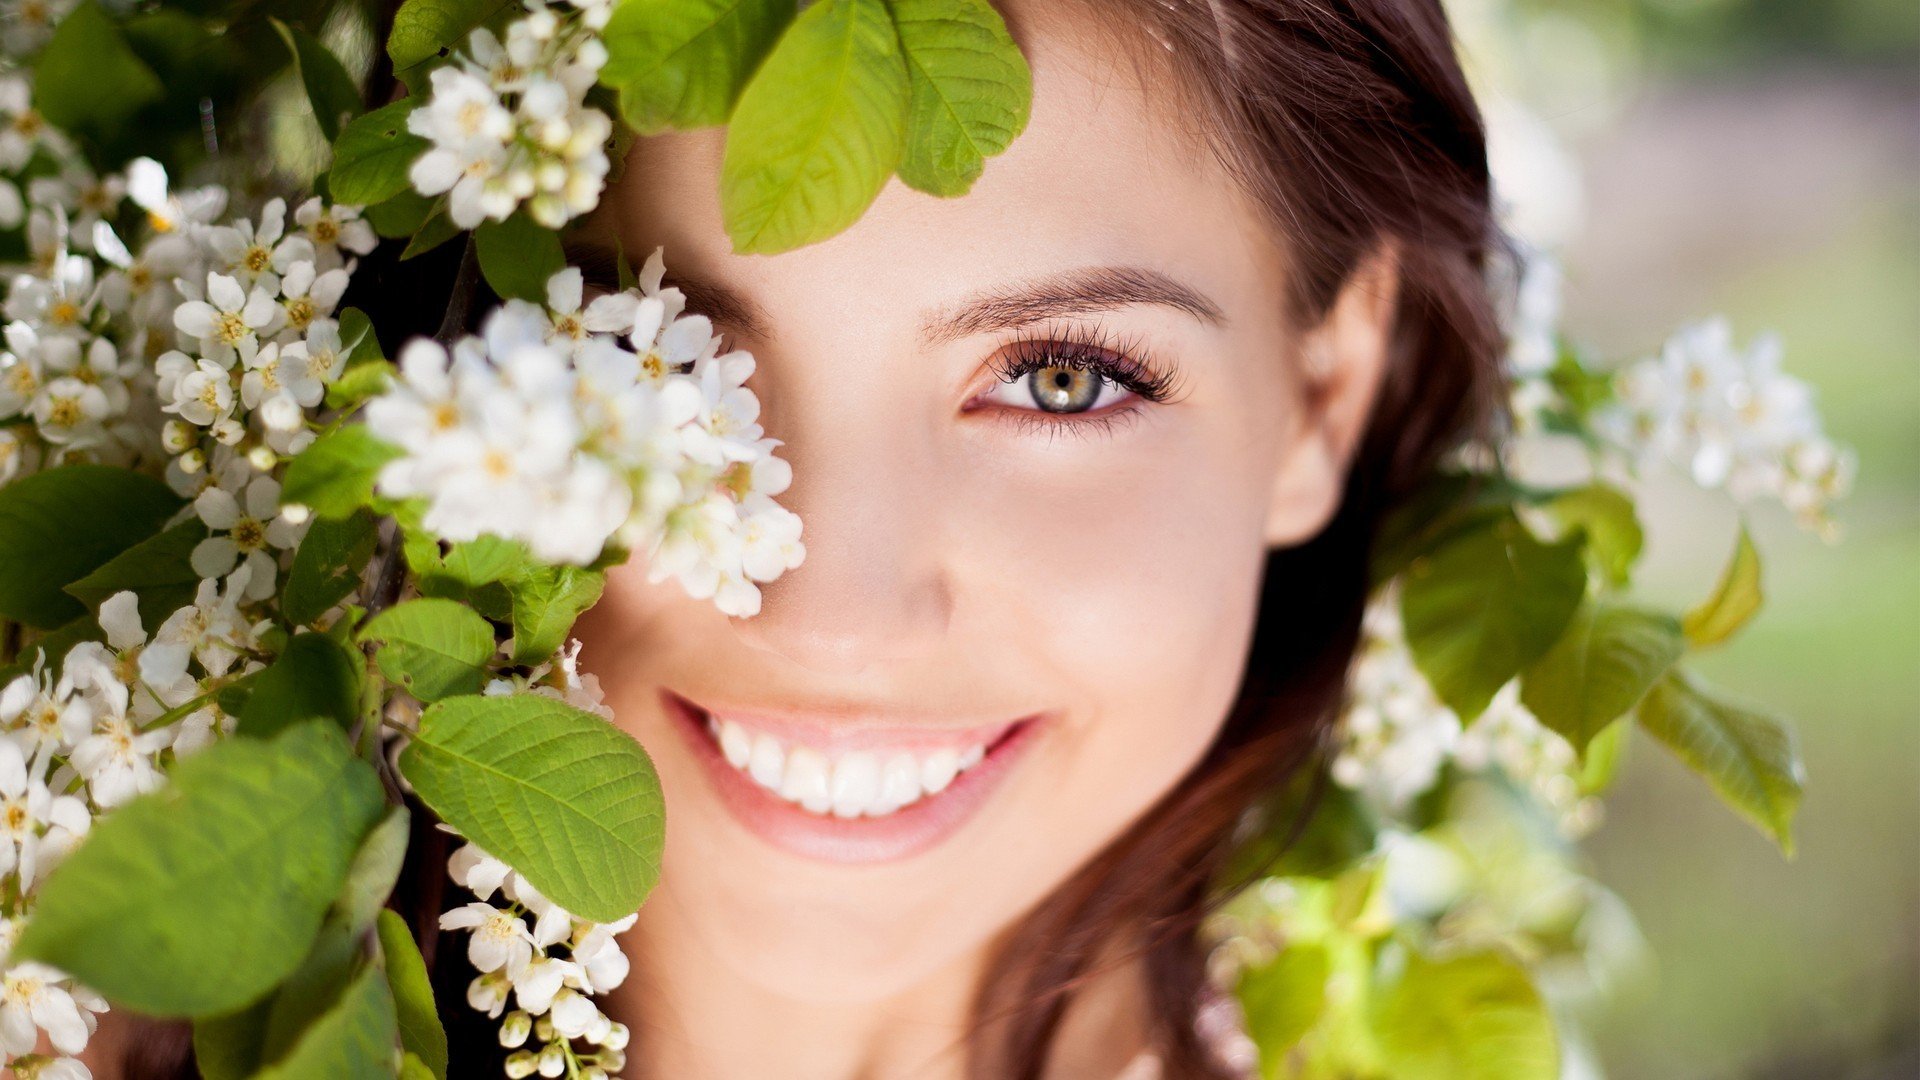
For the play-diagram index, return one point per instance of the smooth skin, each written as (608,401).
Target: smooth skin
(971,559)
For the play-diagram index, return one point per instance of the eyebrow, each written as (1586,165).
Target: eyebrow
(1074,292)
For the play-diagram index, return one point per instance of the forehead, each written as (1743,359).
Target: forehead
(1109,171)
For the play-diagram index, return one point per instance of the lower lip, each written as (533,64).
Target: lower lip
(905,832)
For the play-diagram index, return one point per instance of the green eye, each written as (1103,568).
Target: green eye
(1064,389)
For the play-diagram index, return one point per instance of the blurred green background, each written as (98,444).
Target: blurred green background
(1761,158)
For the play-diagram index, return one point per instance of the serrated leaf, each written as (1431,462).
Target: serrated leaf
(331,92)
(420,1029)
(682,63)
(517,256)
(1486,603)
(194,900)
(53,533)
(328,564)
(313,678)
(421,28)
(1614,536)
(818,129)
(1600,668)
(1735,599)
(1283,1000)
(334,476)
(562,796)
(372,155)
(87,78)
(546,601)
(434,648)
(353,1038)
(1473,1016)
(1751,759)
(159,570)
(970,91)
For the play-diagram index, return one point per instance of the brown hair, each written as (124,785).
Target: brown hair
(1351,124)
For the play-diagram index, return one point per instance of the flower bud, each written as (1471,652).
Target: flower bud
(262,458)
(520,1064)
(515,1028)
(553,1060)
(177,436)
(192,462)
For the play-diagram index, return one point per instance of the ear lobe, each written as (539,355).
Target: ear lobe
(1343,361)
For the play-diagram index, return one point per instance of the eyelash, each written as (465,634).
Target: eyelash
(1123,361)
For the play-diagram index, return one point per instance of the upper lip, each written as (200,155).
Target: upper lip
(849,727)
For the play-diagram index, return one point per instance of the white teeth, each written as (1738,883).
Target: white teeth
(855,783)
(767,762)
(807,779)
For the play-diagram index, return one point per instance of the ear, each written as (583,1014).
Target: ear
(1342,361)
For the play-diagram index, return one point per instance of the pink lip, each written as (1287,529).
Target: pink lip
(903,833)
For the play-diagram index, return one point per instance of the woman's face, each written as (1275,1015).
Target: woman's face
(1053,567)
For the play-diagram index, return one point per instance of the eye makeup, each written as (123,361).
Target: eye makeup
(1076,375)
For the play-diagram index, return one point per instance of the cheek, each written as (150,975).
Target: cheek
(1133,582)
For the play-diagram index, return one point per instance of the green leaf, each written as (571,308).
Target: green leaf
(559,794)
(517,256)
(969,91)
(353,1038)
(334,476)
(194,900)
(232,1046)
(372,155)
(1614,537)
(437,230)
(1486,603)
(412,1068)
(54,644)
(314,989)
(420,1030)
(1752,760)
(328,564)
(422,28)
(357,339)
(55,530)
(87,78)
(546,602)
(435,648)
(1474,1016)
(375,869)
(818,129)
(1734,600)
(1283,1000)
(159,570)
(313,678)
(401,215)
(1600,668)
(682,63)
(357,384)
(332,93)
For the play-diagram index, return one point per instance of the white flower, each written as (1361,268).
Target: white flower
(308,296)
(284,374)
(248,533)
(167,212)
(230,321)
(572,327)
(31,1001)
(475,870)
(212,627)
(333,230)
(68,412)
(499,942)
(117,760)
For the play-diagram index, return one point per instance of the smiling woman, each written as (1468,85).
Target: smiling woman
(1086,541)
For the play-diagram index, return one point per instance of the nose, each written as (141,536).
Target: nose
(873,588)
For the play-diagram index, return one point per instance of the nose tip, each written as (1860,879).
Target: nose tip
(843,623)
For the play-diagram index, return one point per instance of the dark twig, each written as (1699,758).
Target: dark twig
(466,282)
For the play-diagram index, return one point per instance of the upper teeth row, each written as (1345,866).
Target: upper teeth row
(854,783)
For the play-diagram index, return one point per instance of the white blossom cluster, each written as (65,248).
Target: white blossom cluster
(509,123)
(1396,735)
(570,427)
(77,746)
(532,952)
(1729,417)
(26,25)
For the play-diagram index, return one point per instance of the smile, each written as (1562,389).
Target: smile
(847,791)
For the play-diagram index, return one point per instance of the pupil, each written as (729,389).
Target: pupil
(1064,390)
